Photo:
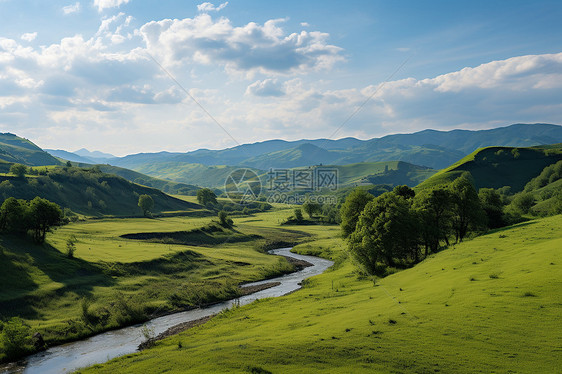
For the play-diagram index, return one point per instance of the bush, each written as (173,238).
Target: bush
(16,338)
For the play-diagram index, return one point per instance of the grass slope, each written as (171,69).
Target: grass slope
(492,304)
(45,287)
(495,167)
(166,186)
(88,192)
(20,150)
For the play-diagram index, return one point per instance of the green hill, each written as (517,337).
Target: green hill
(169,187)
(88,191)
(495,167)
(492,304)
(20,150)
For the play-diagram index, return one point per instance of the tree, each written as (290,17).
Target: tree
(224,220)
(16,337)
(434,212)
(492,204)
(18,170)
(467,211)
(404,191)
(43,215)
(146,203)
(523,202)
(310,208)
(13,215)
(352,208)
(68,164)
(298,214)
(386,230)
(206,196)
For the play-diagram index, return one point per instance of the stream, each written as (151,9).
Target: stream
(106,346)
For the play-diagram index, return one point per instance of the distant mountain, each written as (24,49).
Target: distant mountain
(496,167)
(92,155)
(431,148)
(20,150)
(65,155)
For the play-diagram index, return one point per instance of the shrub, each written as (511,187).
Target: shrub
(16,338)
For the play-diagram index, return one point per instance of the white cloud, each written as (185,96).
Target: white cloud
(305,24)
(266,87)
(105,4)
(209,7)
(251,48)
(29,36)
(73,8)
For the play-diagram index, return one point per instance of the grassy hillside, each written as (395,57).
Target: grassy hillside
(19,150)
(128,280)
(495,167)
(169,187)
(201,175)
(488,305)
(88,191)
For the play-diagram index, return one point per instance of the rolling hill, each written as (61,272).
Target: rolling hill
(495,167)
(19,150)
(89,192)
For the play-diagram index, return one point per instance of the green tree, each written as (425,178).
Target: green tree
(434,212)
(352,208)
(404,191)
(206,196)
(68,164)
(467,211)
(146,203)
(491,202)
(224,220)
(18,170)
(43,215)
(298,214)
(310,208)
(523,202)
(387,229)
(13,215)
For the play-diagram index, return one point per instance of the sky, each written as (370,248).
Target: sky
(131,76)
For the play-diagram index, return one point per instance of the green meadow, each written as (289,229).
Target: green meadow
(491,304)
(113,281)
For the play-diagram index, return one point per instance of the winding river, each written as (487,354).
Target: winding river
(106,346)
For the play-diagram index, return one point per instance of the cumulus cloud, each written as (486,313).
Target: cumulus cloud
(73,8)
(29,36)
(266,87)
(105,4)
(251,48)
(209,7)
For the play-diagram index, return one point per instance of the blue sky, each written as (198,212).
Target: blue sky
(96,73)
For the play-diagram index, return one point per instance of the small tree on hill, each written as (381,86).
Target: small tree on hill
(206,196)
(13,215)
(224,220)
(310,208)
(298,214)
(18,170)
(146,203)
(467,210)
(43,215)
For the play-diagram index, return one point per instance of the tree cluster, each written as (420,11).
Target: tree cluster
(36,217)
(396,227)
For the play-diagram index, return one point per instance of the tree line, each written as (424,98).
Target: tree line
(35,216)
(401,227)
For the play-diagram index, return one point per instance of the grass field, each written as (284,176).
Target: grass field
(492,304)
(125,281)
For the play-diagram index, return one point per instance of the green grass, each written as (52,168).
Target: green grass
(492,304)
(46,288)
(495,167)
